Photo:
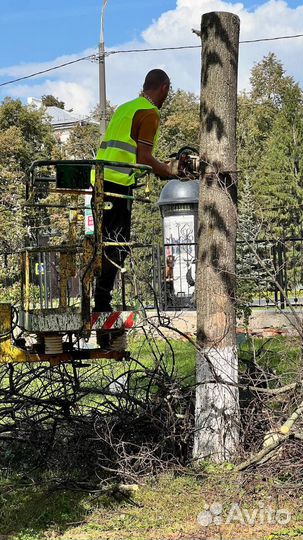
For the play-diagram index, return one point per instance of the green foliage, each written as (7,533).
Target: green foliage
(246,263)
(84,139)
(96,113)
(270,144)
(280,191)
(34,130)
(25,135)
(51,101)
(83,142)
(179,122)
(269,82)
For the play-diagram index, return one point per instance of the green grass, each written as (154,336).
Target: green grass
(176,356)
(179,353)
(281,354)
(162,507)
(285,534)
(26,509)
(29,512)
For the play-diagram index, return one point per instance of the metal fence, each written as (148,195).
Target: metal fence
(269,273)
(274,269)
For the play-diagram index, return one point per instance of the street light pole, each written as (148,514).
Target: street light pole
(102,82)
(102,104)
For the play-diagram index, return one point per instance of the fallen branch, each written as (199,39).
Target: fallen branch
(258,459)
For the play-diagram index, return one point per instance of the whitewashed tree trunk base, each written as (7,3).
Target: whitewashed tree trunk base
(217,405)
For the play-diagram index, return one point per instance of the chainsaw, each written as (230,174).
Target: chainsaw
(185,164)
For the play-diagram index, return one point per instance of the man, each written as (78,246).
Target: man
(130,138)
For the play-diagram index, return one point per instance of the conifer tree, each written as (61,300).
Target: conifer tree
(270,145)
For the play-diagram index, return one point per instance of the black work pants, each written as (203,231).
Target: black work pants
(116,228)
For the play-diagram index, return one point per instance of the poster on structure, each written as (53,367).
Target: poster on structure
(180,251)
(88,216)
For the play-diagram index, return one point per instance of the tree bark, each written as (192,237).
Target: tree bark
(217,403)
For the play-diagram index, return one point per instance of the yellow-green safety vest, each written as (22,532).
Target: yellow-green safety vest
(118,144)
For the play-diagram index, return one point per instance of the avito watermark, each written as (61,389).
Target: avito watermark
(214,514)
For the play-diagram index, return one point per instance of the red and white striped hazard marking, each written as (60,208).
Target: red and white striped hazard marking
(116,319)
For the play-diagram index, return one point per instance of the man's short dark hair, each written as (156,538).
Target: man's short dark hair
(154,79)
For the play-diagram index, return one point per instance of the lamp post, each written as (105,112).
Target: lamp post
(89,221)
(179,210)
(102,83)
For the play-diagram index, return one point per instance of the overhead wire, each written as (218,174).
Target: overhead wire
(46,70)
(276,38)
(180,47)
(95,57)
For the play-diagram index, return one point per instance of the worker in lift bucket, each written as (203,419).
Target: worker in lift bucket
(130,138)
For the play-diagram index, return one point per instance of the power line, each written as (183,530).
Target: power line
(272,38)
(90,57)
(93,57)
(180,47)
(153,49)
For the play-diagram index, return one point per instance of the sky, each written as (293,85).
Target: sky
(38,35)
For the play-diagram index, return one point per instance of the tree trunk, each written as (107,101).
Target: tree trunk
(217,402)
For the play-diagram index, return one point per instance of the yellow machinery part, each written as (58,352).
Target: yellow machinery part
(8,352)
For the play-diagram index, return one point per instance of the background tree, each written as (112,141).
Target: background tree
(83,142)
(179,122)
(51,101)
(34,128)
(96,112)
(252,279)
(25,135)
(279,173)
(270,144)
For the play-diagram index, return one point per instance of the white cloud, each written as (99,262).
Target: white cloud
(77,85)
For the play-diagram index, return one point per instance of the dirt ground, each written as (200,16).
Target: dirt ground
(262,323)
